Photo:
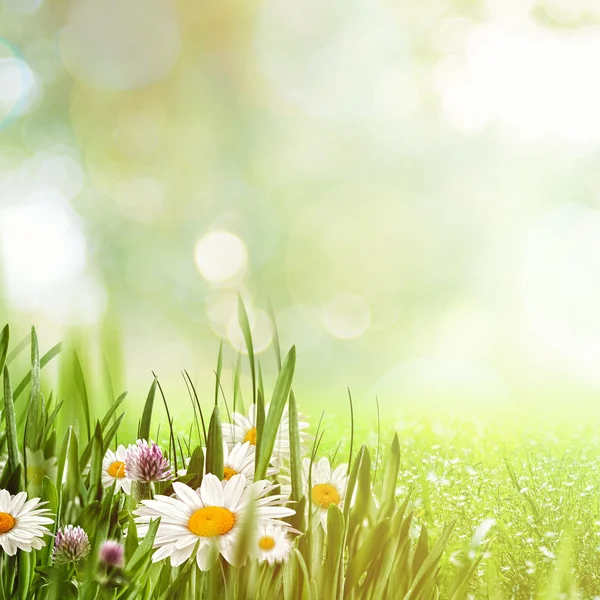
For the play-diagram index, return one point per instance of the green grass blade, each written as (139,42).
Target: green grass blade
(278,401)
(82,391)
(145,423)
(4,338)
(52,353)
(245,327)
(275,336)
(11,423)
(219,372)
(35,419)
(214,448)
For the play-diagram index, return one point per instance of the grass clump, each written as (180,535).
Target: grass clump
(244,506)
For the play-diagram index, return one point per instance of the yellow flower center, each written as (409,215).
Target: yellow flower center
(117,469)
(211,521)
(324,494)
(7,522)
(251,436)
(266,543)
(229,473)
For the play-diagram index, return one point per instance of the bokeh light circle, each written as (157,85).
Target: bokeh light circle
(347,316)
(221,257)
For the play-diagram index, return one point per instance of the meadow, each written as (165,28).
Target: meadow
(422,506)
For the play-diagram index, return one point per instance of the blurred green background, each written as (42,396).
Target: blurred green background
(413,185)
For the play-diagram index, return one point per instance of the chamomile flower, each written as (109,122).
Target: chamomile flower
(239,461)
(327,486)
(273,543)
(243,429)
(22,523)
(208,521)
(114,470)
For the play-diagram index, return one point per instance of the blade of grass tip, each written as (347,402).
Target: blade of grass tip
(275,335)
(261,385)
(276,407)
(351,430)
(52,353)
(194,408)
(17,349)
(197,400)
(245,327)
(171,432)
(259,416)
(145,423)
(82,391)
(218,372)
(214,447)
(4,339)
(34,427)
(390,476)
(237,389)
(11,423)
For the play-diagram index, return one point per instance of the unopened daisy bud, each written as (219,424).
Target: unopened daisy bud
(146,463)
(112,554)
(70,544)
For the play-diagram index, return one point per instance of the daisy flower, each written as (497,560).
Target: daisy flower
(22,523)
(208,521)
(328,487)
(70,545)
(273,543)
(146,462)
(243,429)
(113,470)
(240,461)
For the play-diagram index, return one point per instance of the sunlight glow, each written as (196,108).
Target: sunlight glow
(561,289)
(221,257)
(534,81)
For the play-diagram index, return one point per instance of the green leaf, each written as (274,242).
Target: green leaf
(131,540)
(17,349)
(275,336)
(428,569)
(144,428)
(335,551)
(280,395)
(82,391)
(72,464)
(358,562)
(11,423)
(138,560)
(390,476)
(295,450)
(218,372)
(95,487)
(52,353)
(214,448)
(245,327)
(35,419)
(4,338)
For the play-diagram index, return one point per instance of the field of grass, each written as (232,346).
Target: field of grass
(514,497)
